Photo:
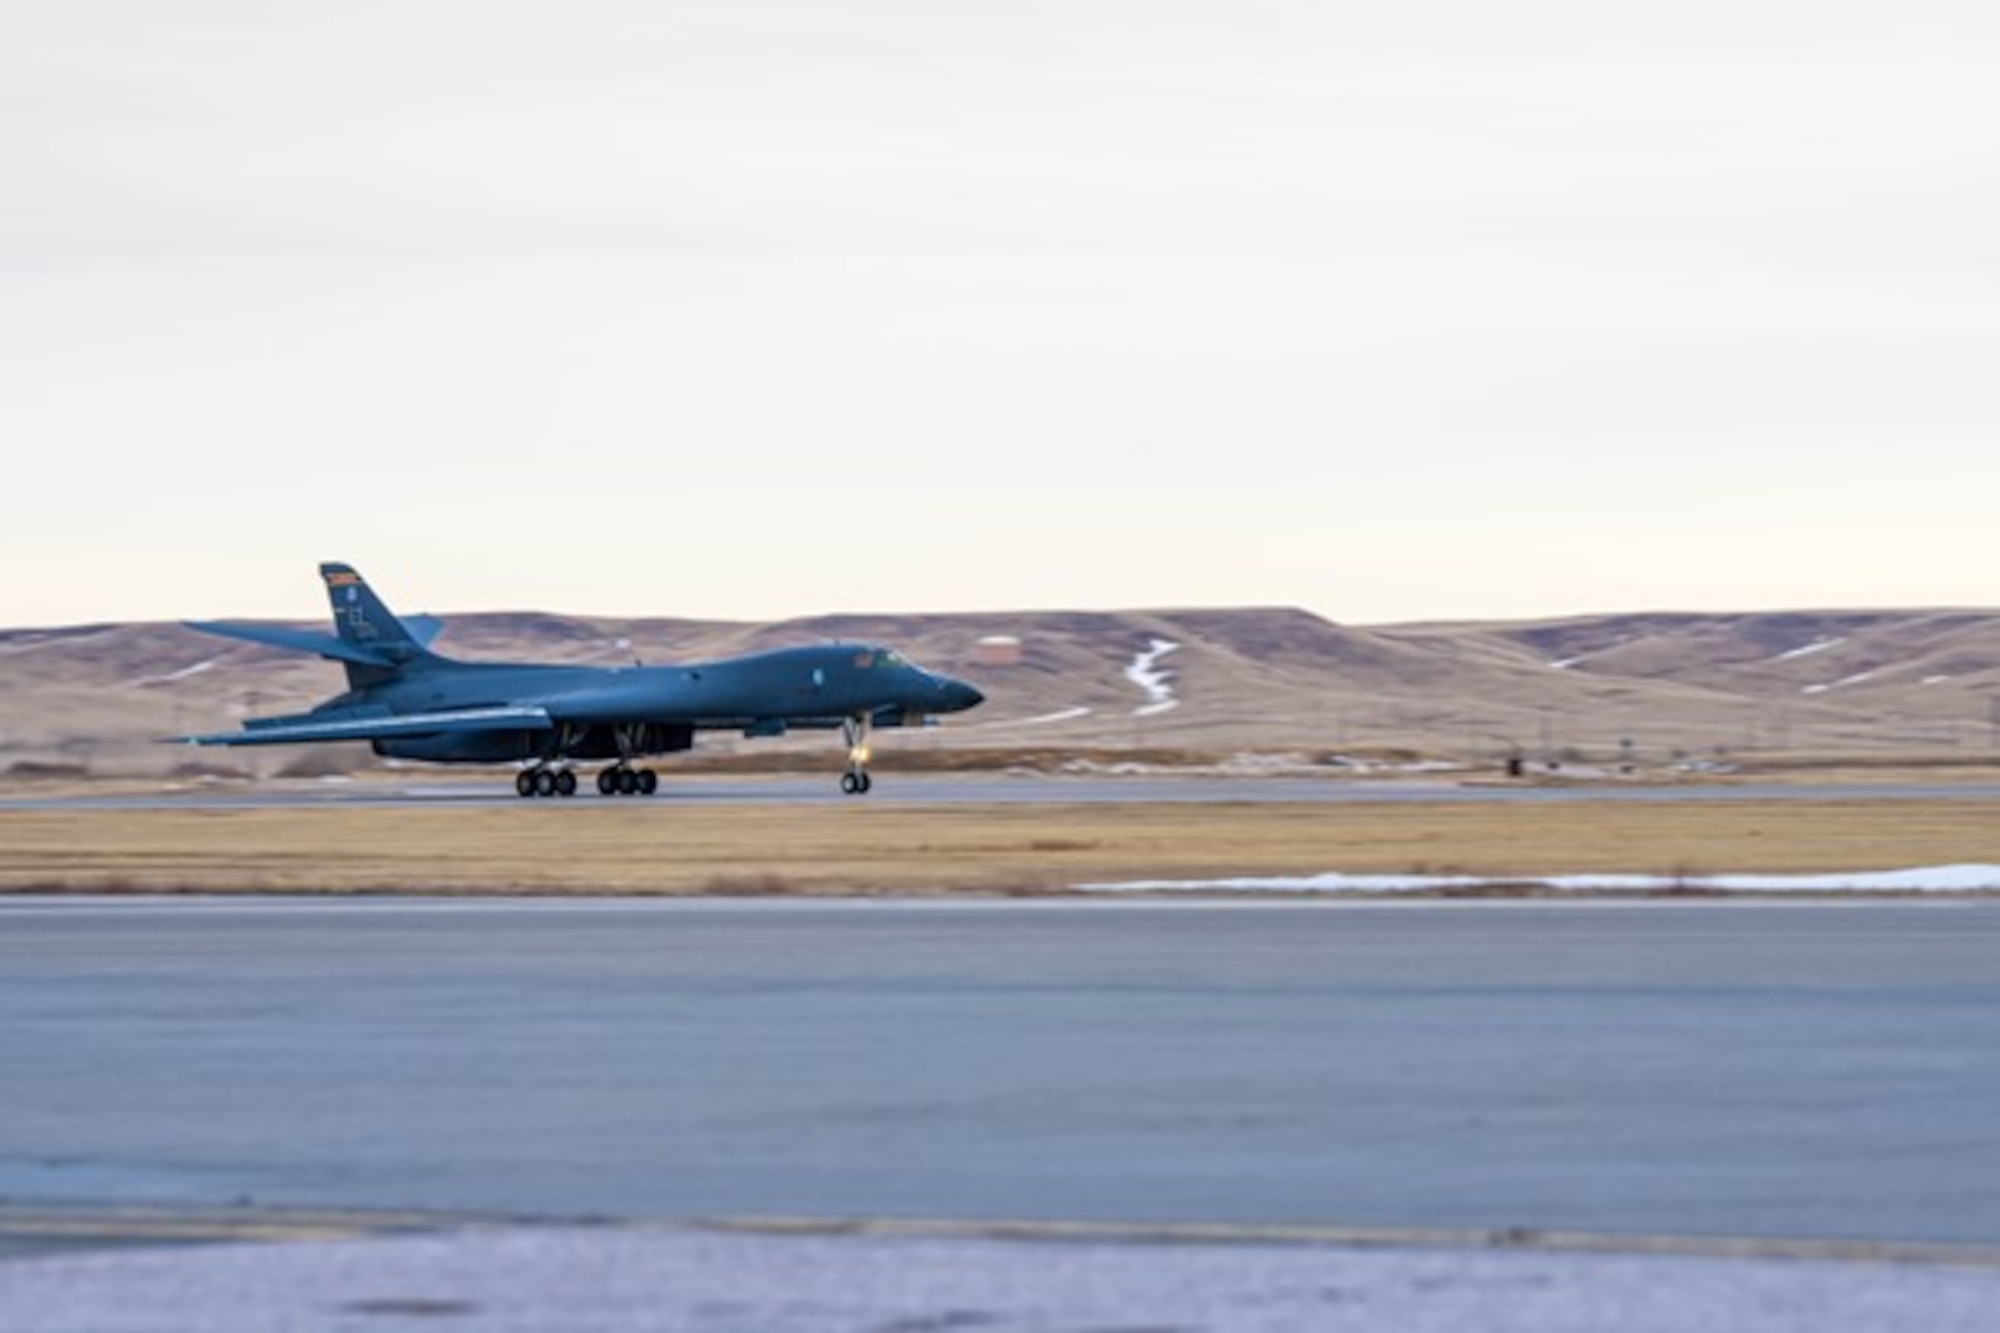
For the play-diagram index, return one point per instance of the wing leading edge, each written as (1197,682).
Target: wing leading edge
(380,726)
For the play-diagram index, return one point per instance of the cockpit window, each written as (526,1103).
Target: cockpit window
(889,657)
(864,660)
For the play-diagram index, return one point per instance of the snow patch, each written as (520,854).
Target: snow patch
(1044,719)
(1565,663)
(1922,879)
(1144,672)
(172,676)
(1816,646)
(1843,682)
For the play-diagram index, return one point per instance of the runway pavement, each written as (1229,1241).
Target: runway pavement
(1797,1070)
(979,789)
(313,1113)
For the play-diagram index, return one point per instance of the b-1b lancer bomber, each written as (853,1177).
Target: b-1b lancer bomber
(411,703)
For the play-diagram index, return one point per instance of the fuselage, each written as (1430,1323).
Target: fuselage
(622,711)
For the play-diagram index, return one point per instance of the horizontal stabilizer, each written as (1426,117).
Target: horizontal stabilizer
(296,640)
(447,722)
(424,629)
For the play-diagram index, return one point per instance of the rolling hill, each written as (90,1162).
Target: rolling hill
(1644,688)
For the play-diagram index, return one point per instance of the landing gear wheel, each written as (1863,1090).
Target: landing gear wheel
(854,782)
(607,782)
(565,783)
(524,782)
(545,782)
(628,782)
(649,782)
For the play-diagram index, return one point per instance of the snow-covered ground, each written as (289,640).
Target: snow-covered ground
(1855,679)
(1816,646)
(1922,879)
(1265,764)
(1146,674)
(170,677)
(614,1279)
(1043,720)
(1565,663)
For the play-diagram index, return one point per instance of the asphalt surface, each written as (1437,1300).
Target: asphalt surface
(1798,1070)
(984,789)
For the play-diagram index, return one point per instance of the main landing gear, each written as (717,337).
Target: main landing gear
(855,781)
(615,781)
(545,782)
(623,781)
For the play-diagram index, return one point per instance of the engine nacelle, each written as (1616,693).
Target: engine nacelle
(481,747)
(637,738)
(506,747)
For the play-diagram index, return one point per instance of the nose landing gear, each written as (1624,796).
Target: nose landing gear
(855,781)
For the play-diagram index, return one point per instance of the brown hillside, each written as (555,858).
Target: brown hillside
(1267,680)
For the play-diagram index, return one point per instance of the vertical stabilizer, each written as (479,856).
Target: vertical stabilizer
(364,620)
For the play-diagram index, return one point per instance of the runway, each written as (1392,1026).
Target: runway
(702,790)
(1795,1070)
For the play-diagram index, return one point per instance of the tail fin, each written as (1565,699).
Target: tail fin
(372,643)
(365,622)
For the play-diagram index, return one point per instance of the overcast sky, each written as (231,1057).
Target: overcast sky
(1439,308)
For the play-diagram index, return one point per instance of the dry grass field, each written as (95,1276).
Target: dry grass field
(862,849)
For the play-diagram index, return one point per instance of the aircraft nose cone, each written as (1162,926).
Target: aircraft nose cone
(959,696)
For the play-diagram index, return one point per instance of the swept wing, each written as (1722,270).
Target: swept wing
(379,726)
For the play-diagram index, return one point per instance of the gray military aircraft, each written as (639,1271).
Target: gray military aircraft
(411,703)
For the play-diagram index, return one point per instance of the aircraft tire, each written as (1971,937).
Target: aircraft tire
(607,782)
(863,784)
(524,782)
(628,782)
(565,783)
(649,782)
(545,782)
(850,785)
